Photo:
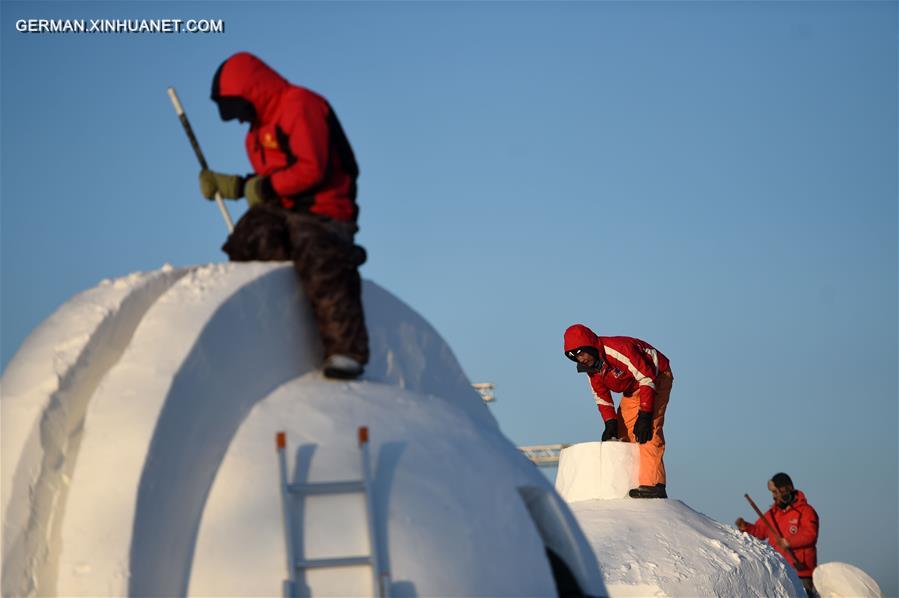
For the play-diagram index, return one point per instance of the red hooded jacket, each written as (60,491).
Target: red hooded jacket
(798,523)
(629,366)
(295,139)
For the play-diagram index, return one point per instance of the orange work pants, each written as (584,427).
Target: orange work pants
(652,469)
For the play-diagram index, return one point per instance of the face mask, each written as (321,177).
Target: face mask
(787,500)
(592,369)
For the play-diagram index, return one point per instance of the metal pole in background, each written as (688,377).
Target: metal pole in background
(179,109)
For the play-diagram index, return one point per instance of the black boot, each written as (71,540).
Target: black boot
(657,491)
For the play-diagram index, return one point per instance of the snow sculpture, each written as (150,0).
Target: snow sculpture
(138,452)
(591,470)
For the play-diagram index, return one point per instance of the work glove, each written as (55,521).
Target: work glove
(229,185)
(611,430)
(259,190)
(643,427)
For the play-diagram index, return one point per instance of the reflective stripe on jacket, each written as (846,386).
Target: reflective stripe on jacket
(630,366)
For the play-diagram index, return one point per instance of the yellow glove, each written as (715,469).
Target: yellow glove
(259,190)
(229,185)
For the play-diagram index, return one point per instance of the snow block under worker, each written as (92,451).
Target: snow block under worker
(302,198)
(643,375)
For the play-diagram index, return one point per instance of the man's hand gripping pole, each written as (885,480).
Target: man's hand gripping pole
(182,116)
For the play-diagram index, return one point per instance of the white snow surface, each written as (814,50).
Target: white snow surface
(138,429)
(656,547)
(653,547)
(842,580)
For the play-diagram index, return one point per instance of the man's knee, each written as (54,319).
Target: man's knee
(260,235)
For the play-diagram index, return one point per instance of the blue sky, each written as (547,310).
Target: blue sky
(717,178)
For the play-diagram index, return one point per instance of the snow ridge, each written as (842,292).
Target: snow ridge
(52,430)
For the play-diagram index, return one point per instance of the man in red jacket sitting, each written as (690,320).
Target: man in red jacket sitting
(796,523)
(643,376)
(302,197)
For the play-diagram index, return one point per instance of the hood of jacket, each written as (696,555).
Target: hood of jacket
(798,499)
(245,76)
(578,335)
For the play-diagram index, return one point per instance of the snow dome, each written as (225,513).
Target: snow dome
(138,427)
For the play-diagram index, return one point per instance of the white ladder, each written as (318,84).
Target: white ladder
(380,578)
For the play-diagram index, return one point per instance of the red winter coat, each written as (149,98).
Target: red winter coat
(296,140)
(630,366)
(799,525)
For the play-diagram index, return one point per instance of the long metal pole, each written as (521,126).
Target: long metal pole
(799,564)
(179,109)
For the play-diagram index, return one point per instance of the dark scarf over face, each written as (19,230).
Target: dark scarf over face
(788,500)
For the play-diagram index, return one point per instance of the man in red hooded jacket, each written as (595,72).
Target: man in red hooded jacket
(796,523)
(643,375)
(302,197)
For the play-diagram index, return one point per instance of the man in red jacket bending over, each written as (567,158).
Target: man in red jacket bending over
(797,525)
(302,197)
(643,376)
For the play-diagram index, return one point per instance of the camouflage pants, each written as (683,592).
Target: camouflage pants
(326,261)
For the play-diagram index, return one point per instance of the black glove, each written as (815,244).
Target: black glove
(643,427)
(611,430)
